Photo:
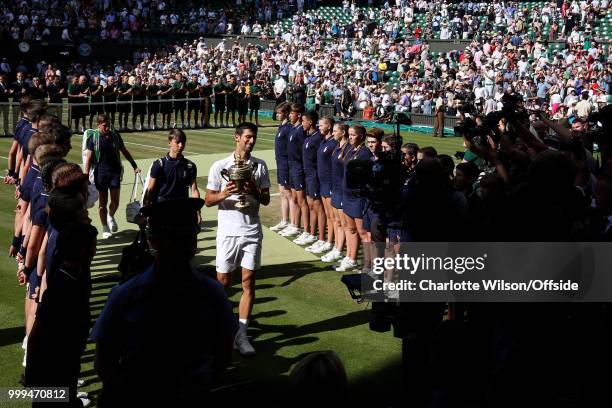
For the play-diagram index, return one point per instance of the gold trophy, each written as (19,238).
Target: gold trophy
(239,173)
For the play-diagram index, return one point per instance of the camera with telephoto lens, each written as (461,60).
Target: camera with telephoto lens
(376,180)
(465,102)
(600,128)
(380,180)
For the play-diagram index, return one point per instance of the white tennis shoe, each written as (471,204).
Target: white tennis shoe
(280,226)
(332,256)
(323,247)
(112,223)
(106,232)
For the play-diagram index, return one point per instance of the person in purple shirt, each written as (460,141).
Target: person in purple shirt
(313,194)
(352,205)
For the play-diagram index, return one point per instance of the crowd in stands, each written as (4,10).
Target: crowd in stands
(455,20)
(375,77)
(360,66)
(119,20)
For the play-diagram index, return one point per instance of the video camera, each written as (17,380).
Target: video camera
(512,110)
(600,127)
(465,102)
(379,181)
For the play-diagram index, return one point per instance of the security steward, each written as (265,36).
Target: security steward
(165,335)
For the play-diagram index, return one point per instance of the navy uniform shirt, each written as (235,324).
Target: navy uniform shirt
(280,144)
(360,152)
(28,181)
(19,128)
(337,166)
(26,135)
(110,161)
(50,258)
(23,127)
(38,202)
(294,147)
(173,177)
(165,331)
(309,154)
(324,160)
(64,312)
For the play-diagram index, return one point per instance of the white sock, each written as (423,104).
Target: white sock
(244,324)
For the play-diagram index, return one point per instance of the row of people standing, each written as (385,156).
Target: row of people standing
(170,97)
(177,99)
(312,157)
(53,244)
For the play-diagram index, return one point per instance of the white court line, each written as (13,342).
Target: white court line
(2,157)
(274,194)
(156,147)
(225,134)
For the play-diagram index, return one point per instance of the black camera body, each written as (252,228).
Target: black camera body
(601,134)
(465,102)
(376,180)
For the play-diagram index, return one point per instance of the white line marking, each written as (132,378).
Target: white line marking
(157,147)
(274,194)
(229,135)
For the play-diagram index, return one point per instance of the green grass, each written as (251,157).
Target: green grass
(301,305)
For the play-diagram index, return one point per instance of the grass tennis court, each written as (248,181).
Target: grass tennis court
(301,305)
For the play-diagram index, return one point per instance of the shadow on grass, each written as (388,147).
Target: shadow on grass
(11,335)
(294,271)
(269,367)
(289,332)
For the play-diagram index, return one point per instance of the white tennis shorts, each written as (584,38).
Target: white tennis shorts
(241,251)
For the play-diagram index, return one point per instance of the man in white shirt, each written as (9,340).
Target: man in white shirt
(279,89)
(239,233)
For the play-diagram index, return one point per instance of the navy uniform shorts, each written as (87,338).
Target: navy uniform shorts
(282,174)
(325,189)
(313,187)
(336,199)
(107,181)
(353,207)
(297,180)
